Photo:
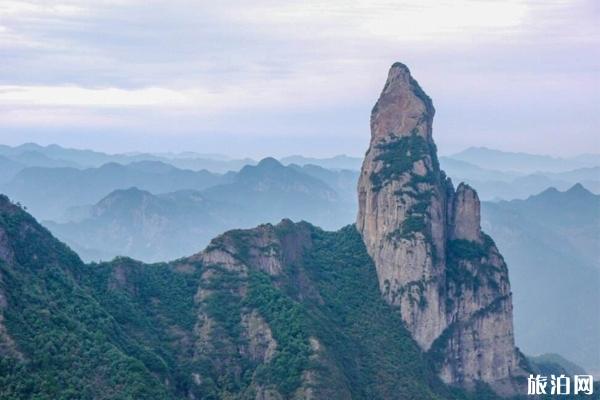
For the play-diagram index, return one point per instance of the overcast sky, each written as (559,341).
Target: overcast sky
(258,78)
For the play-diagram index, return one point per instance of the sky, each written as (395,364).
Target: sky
(259,78)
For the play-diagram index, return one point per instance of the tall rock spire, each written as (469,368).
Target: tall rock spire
(432,259)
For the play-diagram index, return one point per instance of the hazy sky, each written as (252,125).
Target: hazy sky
(280,77)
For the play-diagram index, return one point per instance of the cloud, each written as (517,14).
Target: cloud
(219,65)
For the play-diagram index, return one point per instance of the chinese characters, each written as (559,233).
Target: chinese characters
(560,385)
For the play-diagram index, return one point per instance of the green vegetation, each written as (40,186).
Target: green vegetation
(364,336)
(128,330)
(458,275)
(461,249)
(287,320)
(398,157)
(412,224)
(224,370)
(72,347)
(111,330)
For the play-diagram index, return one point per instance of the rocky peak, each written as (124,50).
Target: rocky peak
(465,221)
(579,190)
(432,259)
(403,108)
(269,162)
(266,248)
(265,167)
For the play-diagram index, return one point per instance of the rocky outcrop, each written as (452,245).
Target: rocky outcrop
(432,259)
(261,345)
(465,217)
(231,333)
(263,248)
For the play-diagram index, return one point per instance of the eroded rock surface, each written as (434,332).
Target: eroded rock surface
(432,259)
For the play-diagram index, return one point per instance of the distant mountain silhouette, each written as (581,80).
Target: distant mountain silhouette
(507,183)
(8,169)
(337,162)
(550,242)
(524,162)
(150,227)
(48,192)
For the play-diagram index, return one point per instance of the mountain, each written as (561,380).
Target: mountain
(11,164)
(150,227)
(8,169)
(433,262)
(527,185)
(70,330)
(56,156)
(554,364)
(343,181)
(551,242)
(503,182)
(285,311)
(413,302)
(287,191)
(49,192)
(506,184)
(338,162)
(465,171)
(34,155)
(37,159)
(524,162)
(138,224)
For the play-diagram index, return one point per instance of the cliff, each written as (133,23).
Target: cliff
(284,311)
(432,259)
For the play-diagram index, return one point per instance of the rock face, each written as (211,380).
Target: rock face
(432,259)
(466,215)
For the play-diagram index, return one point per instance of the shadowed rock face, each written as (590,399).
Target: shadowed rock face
(432,259)
(466,215)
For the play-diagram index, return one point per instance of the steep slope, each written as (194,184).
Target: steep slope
(56,340)
(275,312)
(551,242)
(313,296)
(432,260)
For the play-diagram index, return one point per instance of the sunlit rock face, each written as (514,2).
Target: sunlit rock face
(432,259)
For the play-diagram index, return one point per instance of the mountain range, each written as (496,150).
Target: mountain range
(524,162)
(507,184)
(153,211)
(551,241)
(413,301)
(151,227)
(285,311)
(54,156)
(48,192)
(496,174)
